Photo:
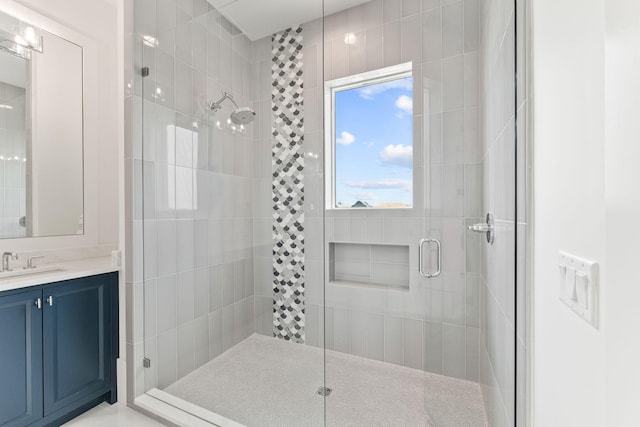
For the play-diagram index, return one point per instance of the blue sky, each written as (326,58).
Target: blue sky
(374,147)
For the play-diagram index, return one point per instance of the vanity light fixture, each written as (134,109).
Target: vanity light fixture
(6,107)
(10,46)
(20,40)
(29,38)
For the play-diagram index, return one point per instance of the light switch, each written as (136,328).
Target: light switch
(570,284)
(582,289)
(563,279)
(579,286)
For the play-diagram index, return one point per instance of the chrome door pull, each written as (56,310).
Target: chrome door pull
(50,301)
(420,244)
(485,227)
(480,228)
(429,274)
(38,303)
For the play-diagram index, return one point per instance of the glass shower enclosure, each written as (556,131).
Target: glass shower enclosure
(327,210)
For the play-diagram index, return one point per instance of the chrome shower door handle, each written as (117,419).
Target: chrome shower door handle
(429,274)
(420,245)
(486,227)
(439,265)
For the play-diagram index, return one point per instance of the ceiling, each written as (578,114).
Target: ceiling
(261,18)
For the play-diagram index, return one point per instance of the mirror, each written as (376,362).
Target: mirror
(41,132)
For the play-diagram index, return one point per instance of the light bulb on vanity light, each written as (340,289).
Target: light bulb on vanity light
(30,36)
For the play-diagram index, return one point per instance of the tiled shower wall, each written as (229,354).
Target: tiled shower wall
(499,149)
(312,181)
(200,249)
(287,99)
(13,145)
(190,183)
(435,324)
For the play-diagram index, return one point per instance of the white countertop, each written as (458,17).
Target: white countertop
(65,270)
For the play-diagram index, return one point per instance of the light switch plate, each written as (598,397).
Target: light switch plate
(579,280)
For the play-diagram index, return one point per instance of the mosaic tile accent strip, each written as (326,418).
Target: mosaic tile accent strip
(287,162)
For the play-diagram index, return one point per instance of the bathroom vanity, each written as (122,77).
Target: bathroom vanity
(58,318)
(58,343)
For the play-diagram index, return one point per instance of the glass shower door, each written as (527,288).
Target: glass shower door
(438,349)
(376,302)
(228,171)
(470,159)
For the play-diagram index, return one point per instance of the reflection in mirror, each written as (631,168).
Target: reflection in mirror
(13,144)
(41,132)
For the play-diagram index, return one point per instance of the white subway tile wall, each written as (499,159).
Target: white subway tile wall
(189,189)
(13,162)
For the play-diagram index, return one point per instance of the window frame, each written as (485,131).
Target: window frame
(367,78)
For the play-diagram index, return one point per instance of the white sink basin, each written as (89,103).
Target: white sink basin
(31,272)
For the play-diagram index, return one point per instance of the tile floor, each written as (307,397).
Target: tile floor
(265,382)
(271,383)
(117,415)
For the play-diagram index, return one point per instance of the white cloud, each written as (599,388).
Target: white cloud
(381,184)
(345,138)
(368,92)
(405,103)
(397,155)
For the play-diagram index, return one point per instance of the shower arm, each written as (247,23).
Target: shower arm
(217,105)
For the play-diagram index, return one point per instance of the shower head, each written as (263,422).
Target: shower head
(239,116)
(243,115)
(216,106)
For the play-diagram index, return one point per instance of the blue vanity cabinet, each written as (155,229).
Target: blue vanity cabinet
(60,359)
(76,341)
(20,358)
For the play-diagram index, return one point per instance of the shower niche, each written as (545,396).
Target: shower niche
(374,265)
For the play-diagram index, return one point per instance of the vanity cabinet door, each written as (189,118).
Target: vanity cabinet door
(77,341)
(20,359)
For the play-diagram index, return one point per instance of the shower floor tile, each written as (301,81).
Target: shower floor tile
(265,382)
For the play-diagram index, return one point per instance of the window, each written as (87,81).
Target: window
(369,135)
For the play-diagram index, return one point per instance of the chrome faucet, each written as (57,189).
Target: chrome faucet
(6,264)
(30,264)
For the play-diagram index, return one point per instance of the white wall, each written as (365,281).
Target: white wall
(95,23)
(622,351)
(569,205)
